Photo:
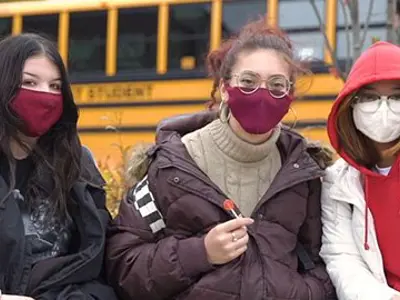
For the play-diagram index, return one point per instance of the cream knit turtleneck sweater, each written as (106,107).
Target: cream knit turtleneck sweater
(243,171)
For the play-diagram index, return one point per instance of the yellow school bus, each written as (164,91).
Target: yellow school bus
(135,62)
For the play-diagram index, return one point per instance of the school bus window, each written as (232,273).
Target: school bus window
(304,31)
(307,45)
(45,25)
(237,13)
(378,33)
(189,33)
(289,14)
(87,48)
(137,39)
(5,26)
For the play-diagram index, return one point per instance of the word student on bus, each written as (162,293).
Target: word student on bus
(174,237)
(52,205)
(360,197)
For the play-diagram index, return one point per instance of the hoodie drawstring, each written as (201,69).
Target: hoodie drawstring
(366,188)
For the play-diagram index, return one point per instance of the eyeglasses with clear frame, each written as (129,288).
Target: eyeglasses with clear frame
(373,102)
(249,82)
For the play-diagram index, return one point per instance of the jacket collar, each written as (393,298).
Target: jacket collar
(347,184)
(183,124)
(290,143)
(298,165)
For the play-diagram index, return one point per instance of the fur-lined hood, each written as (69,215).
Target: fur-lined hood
(141,154)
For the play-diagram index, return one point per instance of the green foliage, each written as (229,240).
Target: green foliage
(375,39)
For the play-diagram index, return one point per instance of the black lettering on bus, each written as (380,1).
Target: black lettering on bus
(139,92)
(115,93)
(149,90)
(91,93)
(77,93)
(128,92)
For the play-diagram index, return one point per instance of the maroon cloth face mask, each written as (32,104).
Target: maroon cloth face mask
(38,110)
(258,112)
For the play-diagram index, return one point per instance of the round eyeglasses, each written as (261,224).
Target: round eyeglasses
(371,103)
(249,82)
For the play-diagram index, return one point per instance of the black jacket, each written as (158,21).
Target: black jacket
(77,275)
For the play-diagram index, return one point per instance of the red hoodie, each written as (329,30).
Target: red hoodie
(382,193)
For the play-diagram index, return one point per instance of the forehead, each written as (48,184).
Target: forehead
(42,67)
(262,61)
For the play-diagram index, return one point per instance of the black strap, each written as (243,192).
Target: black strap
(306,262)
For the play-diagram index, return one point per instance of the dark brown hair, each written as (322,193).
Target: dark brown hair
(253,36)
(355,144)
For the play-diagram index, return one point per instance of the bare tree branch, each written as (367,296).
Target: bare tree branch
(328,45)
(347,33)
(356,29)
(393,19)
(366,25)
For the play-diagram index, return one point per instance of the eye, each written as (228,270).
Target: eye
(395,97)
(28,82)
(279,83)
(55,86)
(365,97)
(247,81)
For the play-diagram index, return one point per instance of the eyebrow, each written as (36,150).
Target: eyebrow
(31,74)
(36,76)
(269,75)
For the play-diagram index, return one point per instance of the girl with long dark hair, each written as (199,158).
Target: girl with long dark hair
(52,205)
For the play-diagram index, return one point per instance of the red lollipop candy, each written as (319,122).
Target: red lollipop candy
(230,206)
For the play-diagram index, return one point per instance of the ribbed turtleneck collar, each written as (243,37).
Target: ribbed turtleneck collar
(236,148)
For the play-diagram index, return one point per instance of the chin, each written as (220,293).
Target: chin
(254,138)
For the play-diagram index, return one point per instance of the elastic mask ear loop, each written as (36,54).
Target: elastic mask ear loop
(295,118)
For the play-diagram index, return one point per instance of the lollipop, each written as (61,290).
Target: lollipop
(231,207)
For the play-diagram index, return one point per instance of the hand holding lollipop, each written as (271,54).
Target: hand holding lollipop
(228,240)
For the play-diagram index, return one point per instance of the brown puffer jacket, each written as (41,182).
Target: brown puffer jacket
(156,247)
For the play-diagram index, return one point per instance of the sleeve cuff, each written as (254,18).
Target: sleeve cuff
(193,257)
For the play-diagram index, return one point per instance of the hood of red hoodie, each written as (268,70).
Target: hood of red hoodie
(379,62)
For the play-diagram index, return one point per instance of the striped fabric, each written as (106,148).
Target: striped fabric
(145,204)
